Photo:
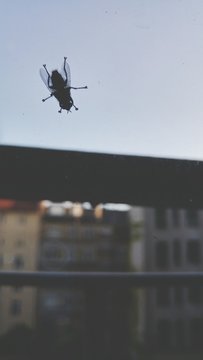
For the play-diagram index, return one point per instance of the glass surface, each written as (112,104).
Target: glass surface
(142,63)
(100,322)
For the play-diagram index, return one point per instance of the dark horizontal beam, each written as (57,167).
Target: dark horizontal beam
(35,174)
(100,279)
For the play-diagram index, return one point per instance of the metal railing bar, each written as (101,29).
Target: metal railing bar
(99,279)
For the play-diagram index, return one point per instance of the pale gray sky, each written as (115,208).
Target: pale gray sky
(142,61)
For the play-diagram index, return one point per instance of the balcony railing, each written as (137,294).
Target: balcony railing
(50,279)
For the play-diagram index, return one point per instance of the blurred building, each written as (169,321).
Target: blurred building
(171,319)
(19,235)
(138,264)
(78,238)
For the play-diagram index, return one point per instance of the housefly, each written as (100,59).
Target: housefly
(59,84)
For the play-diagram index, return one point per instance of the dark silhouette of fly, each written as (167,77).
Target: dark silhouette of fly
(59,84)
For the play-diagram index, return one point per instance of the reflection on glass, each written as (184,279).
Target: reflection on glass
(109,323)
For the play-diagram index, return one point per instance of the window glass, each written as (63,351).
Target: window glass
(193,252)
(177,252)
(162,255)
(160,218)
(191,217)
(122,321)
(142,63)
(15,307)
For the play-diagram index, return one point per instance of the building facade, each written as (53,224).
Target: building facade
(19,236)
(82,239)
(171,240)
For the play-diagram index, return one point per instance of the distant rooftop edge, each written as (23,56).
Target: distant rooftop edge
(59,175)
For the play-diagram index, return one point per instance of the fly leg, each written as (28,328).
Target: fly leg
(81,87)
(64,68)
(48,97)
(46,69)
(76,88)
(60,110)
(72,103)
(49,76)
(75,107)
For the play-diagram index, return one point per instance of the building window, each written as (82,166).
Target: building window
(191,217)
(193,252)
(179,334)
(175,217)
(55,253)
(74,232)
(176,252)
(163,296)
(160,218)
(71,255)
(89,233)
(196,331)
(50,301)
(105,231)
(18,262)
(2,217)
(20,242)
(161,255)
(2,241)
(54,232)
(164,333)
(16,307)
(195,295)
(1,261)
(178,296)
(17,289)
(22,219)
(87,254)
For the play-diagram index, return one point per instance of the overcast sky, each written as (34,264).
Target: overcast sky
(142,61)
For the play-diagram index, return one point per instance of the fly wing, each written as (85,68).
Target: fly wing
(45,78)
(65,72)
